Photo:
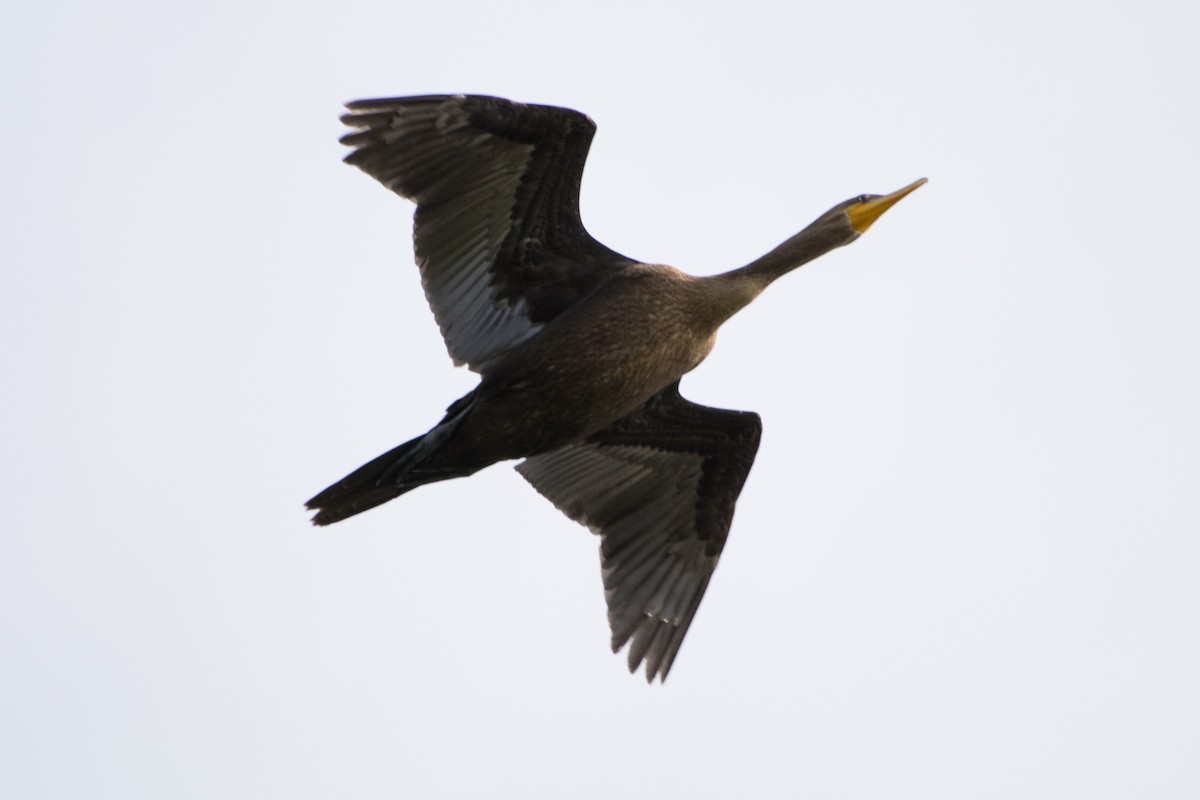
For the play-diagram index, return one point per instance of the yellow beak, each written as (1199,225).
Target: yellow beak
(863,215)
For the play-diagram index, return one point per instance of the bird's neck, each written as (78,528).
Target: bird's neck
(734,290)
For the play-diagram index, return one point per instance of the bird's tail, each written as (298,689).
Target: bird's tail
(365,487)
(397,471)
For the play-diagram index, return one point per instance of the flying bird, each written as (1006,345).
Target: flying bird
(579,350)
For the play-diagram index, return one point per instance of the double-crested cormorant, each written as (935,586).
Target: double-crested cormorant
(580,350)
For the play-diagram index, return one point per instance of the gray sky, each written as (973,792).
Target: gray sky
(964,564)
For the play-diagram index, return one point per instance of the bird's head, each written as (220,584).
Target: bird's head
(838,226)
(862,211)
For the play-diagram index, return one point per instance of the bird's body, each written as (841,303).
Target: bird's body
(639,338)
(580,350)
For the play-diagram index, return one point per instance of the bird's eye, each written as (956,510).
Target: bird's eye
(862,198)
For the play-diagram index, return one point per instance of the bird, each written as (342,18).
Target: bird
(579,349)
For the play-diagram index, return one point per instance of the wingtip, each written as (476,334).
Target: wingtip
(651,674)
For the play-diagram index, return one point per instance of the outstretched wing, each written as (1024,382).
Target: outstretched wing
(497,233)
(659,486)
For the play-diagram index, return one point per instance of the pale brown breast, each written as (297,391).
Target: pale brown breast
(593,365)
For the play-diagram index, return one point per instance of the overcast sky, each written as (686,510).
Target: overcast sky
(965,562)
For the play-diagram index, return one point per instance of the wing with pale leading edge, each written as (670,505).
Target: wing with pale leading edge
(497,232)
(659,486)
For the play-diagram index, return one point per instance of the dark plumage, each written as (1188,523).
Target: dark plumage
(579,349)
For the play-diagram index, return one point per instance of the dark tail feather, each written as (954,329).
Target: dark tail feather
(397,471)
(370,485)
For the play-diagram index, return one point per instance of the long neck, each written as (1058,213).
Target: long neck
(732,291)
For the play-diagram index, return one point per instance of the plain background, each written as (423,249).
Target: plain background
(965,561)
